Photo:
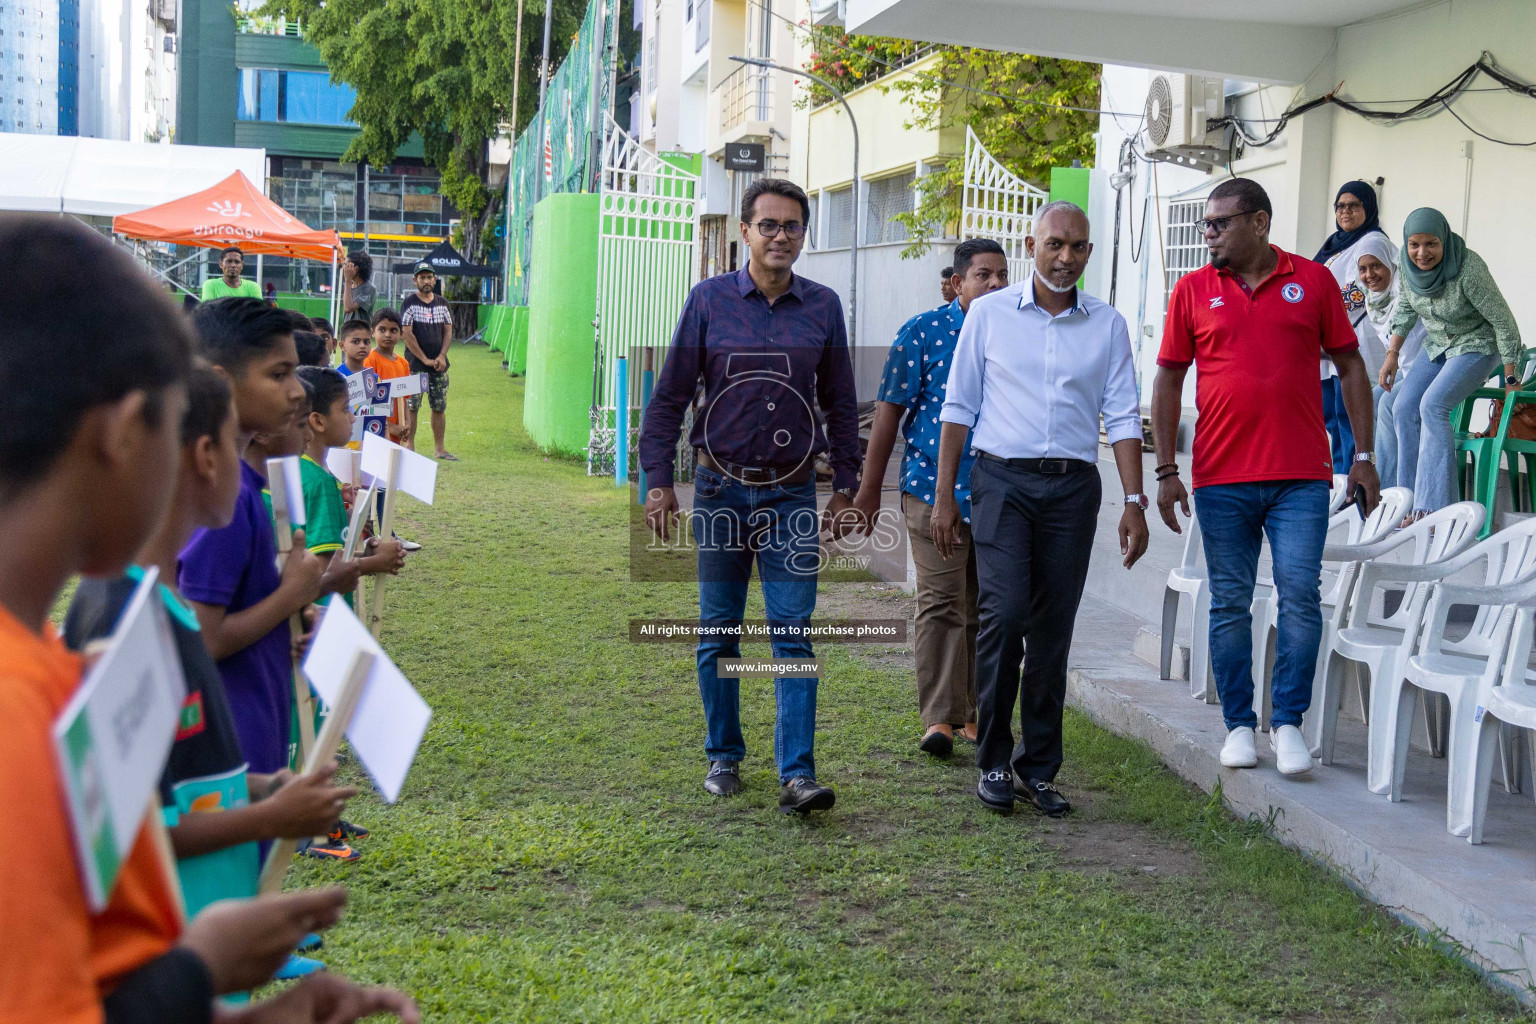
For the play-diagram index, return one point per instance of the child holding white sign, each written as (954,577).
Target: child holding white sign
(89,438)
(205,790)
(230,575)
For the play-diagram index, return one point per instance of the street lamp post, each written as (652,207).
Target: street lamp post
(853,252)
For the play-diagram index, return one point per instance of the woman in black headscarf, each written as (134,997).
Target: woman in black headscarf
(1354,212)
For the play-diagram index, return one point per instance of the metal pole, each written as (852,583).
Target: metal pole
(647,385)
(538,179)
(506,241)
(595,133)
(853,251)
(621,422)
(367,209)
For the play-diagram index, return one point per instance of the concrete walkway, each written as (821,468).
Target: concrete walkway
(1481,900)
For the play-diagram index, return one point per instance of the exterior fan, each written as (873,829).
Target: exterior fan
(1159,113)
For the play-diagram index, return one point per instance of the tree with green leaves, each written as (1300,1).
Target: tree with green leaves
(440,69)
(1015,102)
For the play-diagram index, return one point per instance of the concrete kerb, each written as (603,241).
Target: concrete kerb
(1463,929)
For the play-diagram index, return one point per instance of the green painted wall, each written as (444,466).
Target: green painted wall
(562,298)
(1071,184)
(517,355)
(285,53)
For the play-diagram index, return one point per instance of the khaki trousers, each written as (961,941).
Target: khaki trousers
(945,640)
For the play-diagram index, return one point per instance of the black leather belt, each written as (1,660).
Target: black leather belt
(764,475)
(1050,467)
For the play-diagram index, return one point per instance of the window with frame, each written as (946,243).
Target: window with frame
(1184,248)
(810,225)
(839,232)
(885,199)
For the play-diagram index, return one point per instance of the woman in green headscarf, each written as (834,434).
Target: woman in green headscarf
(1469,331)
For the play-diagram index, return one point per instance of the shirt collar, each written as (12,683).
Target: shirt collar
(746,286)
(1283,265)
(1027,299)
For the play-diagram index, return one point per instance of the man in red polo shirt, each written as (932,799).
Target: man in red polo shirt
(1254,321)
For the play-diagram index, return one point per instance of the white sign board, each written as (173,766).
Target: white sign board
(112,739)
(285,483)
(391,716)
(410,384)
(418,474)
(345,465)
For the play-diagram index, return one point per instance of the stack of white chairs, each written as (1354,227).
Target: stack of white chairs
(1357,535)
(1508,703)
(1433,541)
(1490,659)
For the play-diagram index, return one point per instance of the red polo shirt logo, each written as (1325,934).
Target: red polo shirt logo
(1256,356)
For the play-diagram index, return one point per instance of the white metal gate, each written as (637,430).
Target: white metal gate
(647,254)
(998,204)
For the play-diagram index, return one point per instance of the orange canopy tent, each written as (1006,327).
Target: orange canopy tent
(233,212)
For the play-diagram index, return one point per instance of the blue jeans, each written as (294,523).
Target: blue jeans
(736,524)
(1426,446)
(1386,435)
(1233,521)
(1341,436)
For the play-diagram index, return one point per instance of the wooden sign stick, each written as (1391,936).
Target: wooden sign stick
(281,854)
(303,703)
(362,505)
(386,531)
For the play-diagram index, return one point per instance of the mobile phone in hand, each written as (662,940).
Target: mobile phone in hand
(1359,500)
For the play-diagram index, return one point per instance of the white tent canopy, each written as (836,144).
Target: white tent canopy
(103,177)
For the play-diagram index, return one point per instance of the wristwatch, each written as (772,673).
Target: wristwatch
(1511,381)
(846,492)
(1139,500)
(1365,457)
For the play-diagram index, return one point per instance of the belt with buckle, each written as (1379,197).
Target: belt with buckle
(757,475)
(1050,467)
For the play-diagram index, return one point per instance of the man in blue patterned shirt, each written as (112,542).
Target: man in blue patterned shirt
(916,374)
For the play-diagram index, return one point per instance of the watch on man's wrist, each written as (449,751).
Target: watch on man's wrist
(847,492)
(1365,457)
(1510,381)
(1139,500)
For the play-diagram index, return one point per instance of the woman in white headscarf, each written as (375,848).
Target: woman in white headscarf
(1376,270)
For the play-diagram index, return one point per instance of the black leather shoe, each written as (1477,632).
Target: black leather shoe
(723,779)
(805,795)
(995,789)
(937,744)
(1044,795)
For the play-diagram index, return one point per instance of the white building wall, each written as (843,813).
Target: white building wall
(127,76)
(1484,188)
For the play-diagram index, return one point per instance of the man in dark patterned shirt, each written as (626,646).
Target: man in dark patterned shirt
(769,346)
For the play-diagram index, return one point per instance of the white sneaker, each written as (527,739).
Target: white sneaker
(1238,751)
(1292,756)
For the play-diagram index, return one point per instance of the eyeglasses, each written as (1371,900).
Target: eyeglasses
(1346,207)
(771,229)
(1220,224)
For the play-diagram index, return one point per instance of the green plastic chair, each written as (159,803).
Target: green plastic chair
(1481,458)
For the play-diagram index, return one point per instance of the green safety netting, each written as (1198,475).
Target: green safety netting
(568,112)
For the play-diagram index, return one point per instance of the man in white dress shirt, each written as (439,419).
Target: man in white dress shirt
(1038,363)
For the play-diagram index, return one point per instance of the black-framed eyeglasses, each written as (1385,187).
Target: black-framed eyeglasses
(1220,224)
(1342,207)
(771,229)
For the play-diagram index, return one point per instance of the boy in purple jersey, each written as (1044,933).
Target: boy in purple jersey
(230,575)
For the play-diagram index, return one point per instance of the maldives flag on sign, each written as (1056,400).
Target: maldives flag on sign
(549,160)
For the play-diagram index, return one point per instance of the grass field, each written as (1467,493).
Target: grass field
(553,857)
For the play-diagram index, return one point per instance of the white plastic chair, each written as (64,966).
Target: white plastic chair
(1344,523)
(1338,493)
(1507,557)
(1190,577)
(1509,704)
(1441,535)
(1470,682)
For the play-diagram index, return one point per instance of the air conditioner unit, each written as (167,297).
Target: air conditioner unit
(829,12)
(1178,110)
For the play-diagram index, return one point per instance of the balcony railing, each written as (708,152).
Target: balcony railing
(265,25)
(746,95)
